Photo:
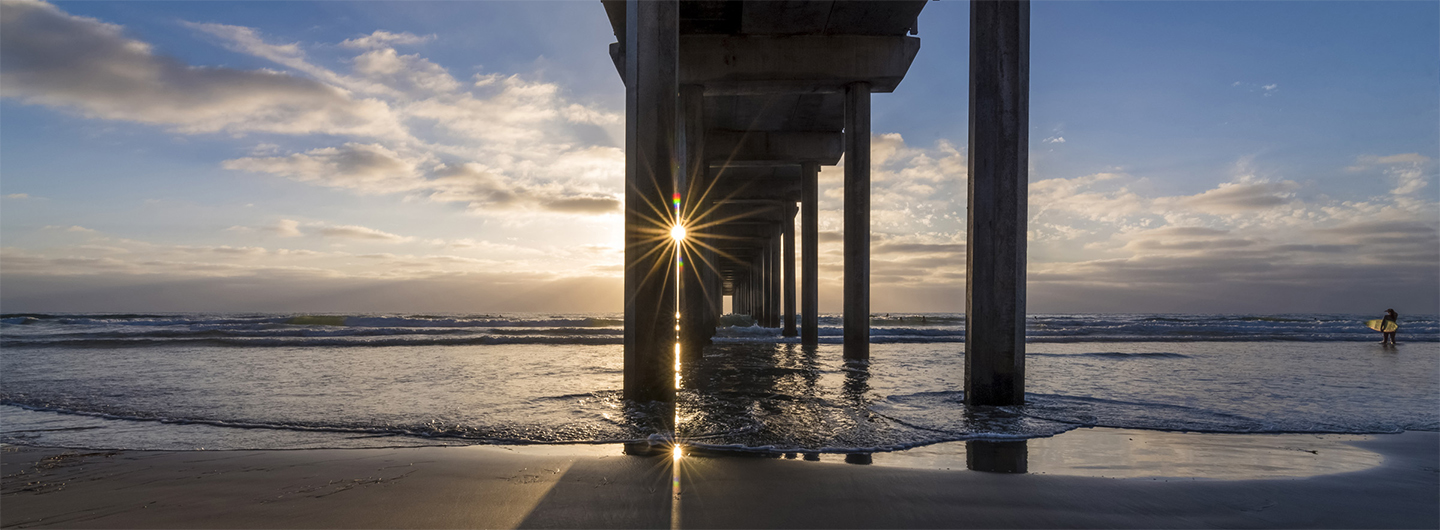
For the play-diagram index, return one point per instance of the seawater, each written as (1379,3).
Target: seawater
(186,381)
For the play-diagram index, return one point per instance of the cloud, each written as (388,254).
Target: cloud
(1404,158)
(361,233)
(1406,170)
(368,168)
(917,248)
(1055,140)
(18,196)
(485,189)
(407,74)
(287,228)
(538,150)
(74,228)
(381,39)
(1239,197)
(54,59)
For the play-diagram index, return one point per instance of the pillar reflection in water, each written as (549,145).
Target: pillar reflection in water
(856,390)
(857,384)
(996,457)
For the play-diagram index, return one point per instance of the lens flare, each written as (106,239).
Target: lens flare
(677,233)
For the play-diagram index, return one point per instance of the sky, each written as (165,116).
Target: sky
(459,157)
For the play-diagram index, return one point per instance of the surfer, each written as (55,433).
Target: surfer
(1391,317)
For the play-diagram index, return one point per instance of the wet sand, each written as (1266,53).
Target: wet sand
(1164,480)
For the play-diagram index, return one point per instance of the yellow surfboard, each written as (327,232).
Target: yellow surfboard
(1390,325)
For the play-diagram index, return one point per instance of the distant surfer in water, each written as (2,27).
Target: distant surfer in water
(1389,336)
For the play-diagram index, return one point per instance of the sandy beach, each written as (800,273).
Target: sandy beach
(1173,480)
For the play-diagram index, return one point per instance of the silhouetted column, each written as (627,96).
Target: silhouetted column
(788,226)
(857,221)
(739,302)
(694,290)
(747,294)
(760,284)
(741,293)
(777,285)
(995,250)
(719,296)
(771,283)
(651,55)
(810,253)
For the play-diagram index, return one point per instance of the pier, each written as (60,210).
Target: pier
(732,108)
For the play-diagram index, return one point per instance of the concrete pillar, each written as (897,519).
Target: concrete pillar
(788,227)
(763,263)
(765,292)
(772,278)
(694,291)
(651,54)
(995,251)
(776,286)
(810,253)
(752,297)
(857,222)
(719,295)
(740,292)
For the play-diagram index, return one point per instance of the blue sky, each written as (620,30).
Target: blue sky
(466,156)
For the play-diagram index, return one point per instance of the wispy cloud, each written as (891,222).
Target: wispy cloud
(536,149)
(55,59)
(382,39)
(360,232)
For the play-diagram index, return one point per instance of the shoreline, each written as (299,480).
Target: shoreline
(1171,479)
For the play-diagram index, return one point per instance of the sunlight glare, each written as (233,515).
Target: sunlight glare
(677,233)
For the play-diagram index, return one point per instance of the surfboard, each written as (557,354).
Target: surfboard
(1390,325)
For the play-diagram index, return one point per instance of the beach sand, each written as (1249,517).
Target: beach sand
(1086,478)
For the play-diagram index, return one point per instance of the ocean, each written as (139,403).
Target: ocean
(288,381)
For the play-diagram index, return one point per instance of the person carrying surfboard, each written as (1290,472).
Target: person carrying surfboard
(1390,322)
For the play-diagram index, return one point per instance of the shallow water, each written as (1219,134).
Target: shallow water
(259,381)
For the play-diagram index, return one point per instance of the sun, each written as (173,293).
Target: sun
(677,233)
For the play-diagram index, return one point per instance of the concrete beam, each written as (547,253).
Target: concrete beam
(998,184)
(740,148)
(773,64)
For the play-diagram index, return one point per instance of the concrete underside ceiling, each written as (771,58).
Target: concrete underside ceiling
(773,75)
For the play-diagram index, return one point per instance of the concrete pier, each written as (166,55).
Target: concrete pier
(747,100)
(857,221)
(651,93)
(999,183)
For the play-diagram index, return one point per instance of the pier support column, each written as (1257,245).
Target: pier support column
(810,253)
(741,294)
(757,278)
(765,285)
(777,284)
(788,229)
(857,222)
(652,43)
(694,291)
(998,183)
